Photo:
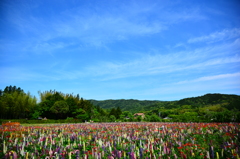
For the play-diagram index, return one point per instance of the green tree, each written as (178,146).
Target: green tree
(57,96)
(139,118)
(81,114)
(14,103)
(44,108)
(112,118)
(126,116)
(60,108)
(113,112)
(36,114)
(48,99)
(118,112)
(72,103)
(154,118)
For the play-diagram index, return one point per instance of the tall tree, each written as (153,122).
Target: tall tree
(113,112)
(60,108)
(72,103)
(15,103)
(118,112)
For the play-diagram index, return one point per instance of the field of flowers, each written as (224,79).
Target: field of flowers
(121,140)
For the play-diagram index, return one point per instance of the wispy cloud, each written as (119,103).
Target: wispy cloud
(97,31)
(92,28)
(225,34)
(97,28)
(190,89)
(183,15)
(209,78)
(118,46)
(155,63)
(199,59)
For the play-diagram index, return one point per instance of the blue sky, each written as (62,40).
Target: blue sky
(128,49)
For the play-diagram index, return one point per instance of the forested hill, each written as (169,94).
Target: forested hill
(131,105)
(228,101)
(212,99)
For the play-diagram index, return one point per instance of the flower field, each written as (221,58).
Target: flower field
(121,140)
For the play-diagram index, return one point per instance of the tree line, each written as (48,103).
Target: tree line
(52,104)
(16,104)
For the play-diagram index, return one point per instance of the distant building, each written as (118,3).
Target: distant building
(139,114)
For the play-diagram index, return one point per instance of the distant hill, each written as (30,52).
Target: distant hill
(210,99)
(131,105)
(229,101)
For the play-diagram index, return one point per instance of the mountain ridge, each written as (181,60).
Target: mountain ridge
(134,105)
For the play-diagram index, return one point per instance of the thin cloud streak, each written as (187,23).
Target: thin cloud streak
(209,78)
(223,83)
(225,34)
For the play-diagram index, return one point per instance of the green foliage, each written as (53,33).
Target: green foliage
(131,105)
(138,118)
(154,118)
(207,108)
(81,114)
(229,101)
(112,118)
(72,103)
(15,104)
(126,116)
(67,105)
(224,101)
(116,112)
(36,114)
(60,107)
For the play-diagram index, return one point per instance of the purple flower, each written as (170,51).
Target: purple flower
(141,152)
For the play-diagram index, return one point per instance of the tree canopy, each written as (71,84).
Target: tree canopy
(15,103)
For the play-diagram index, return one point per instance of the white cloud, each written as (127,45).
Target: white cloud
(94,27)
(209,78)
(99,26)
(222,83)
(99,30)
(200,59)
(217,36)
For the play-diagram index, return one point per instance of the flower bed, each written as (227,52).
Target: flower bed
(122,140)
(7,124)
